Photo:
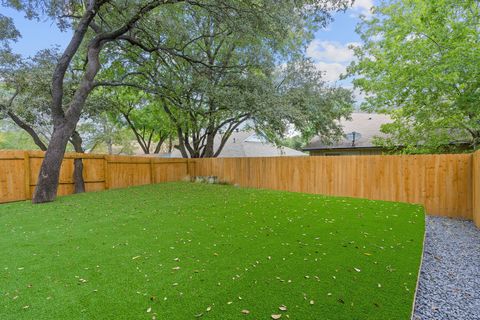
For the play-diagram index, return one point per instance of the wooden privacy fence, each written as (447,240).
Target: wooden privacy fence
(19,172)
(447,185)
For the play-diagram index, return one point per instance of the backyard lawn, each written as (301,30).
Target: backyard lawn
(198,251)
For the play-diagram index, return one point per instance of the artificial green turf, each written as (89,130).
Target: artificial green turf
(176,250)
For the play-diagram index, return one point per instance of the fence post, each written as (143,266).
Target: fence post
(105,172)
(476,187)
(26,169)
(190,170)
(152,172)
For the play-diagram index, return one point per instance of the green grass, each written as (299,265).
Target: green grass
(115,255)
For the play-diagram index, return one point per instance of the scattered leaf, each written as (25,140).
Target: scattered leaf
(276,316)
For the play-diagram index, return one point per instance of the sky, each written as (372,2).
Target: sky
(330,48)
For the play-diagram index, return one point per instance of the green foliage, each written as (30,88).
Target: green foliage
(25,93)
(128,109)
(223,74)
(102,134)
(296,142)
(308,103)
(27,82)
(420,63)
(8,32)
(177,250)
(197,69)
(14,139)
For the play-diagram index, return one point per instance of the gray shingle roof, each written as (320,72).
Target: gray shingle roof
(367,124)
(248,144)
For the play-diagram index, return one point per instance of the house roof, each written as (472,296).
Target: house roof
(366,126)
(248,144)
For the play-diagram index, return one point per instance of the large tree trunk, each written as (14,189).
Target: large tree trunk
(64,126)
(46,189)
(181,143)
(208,149)
(78,175)
(65,122)
(76,141)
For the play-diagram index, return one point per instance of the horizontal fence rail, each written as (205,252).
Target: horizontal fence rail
(446,184)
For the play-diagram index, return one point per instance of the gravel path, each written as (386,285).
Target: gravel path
(449,286)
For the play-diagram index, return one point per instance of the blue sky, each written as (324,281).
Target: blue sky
(35,35)
(329,49)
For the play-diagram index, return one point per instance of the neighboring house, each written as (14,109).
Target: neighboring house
(247,144)
(357,139)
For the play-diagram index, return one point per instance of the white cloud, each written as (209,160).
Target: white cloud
(332,70)
(331,57)
(363,7)
(331,51)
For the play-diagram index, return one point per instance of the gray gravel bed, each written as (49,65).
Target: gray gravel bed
(449,286)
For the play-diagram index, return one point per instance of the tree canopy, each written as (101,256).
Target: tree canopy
(228,78)
(420,63)
(205,66)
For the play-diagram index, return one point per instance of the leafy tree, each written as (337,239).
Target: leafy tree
(100,25)
(96,24)
(419,62)
(26,95)
(23,99)
(309,104)
(101,133)
(12,138)
(230,78)
(143,116)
